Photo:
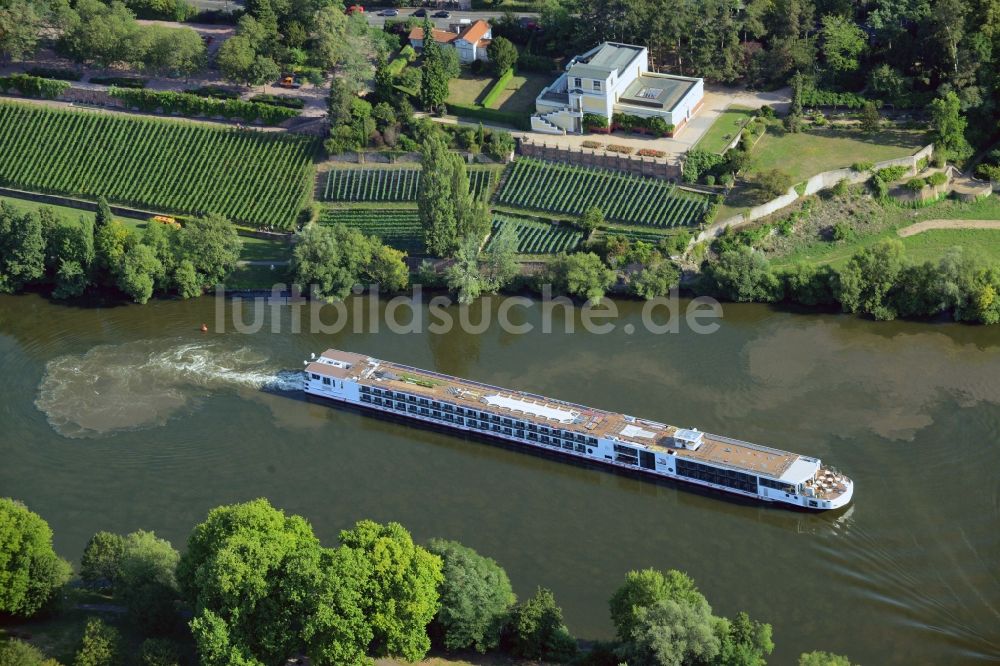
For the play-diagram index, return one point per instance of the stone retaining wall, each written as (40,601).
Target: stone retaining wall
(639,166)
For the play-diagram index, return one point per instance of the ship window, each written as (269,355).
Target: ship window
(508,422)
(568,445)
(326,380)
(365,389)
(437,413)
(813,503)
(496,428)
(413,409)
(401,406)
(545,438)
(590,450)
(424,410)
(533,435)
(592,441)
(532,427)
(580,448)
(412,398)
(520,433)
(484,415)
(315,376)
(459,420)
(366,398)
(495,419)
(436,405)
(507,431)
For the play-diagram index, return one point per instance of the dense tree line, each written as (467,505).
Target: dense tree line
(263,589)
(38,247)
(901,52)
(878,281)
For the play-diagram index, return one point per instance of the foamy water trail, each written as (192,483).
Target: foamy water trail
(142,384)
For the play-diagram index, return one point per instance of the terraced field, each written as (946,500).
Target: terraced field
(536,237)
(570,190)
(255,178)
(400,228)
(388,185)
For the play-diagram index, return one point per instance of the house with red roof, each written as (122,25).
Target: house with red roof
(470,39)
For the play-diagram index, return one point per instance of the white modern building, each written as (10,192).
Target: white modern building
(470,39)
(615,78)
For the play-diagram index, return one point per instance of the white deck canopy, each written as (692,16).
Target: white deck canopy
(533,408)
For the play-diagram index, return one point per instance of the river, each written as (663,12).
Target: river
(128,417)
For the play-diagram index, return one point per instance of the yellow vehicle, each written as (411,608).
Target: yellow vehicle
(169,221)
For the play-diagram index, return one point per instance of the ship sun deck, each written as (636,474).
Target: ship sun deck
(716,450)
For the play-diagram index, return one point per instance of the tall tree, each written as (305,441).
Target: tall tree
(499,264)
(22,248)
(463,275)
(400,592)
(475,597)
(434,80)
(435,199)
(948,128)
(30,571)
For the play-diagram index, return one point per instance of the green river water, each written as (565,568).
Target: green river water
(128,417)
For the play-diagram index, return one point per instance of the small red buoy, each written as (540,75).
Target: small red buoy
(204,328)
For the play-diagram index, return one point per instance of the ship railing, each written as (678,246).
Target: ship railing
(758,447)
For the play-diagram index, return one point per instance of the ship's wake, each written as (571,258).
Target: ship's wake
(142,384)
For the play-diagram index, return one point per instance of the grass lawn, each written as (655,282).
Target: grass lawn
(518,97)
(259,249)
(811,152)
(520,93)
(725,128)
(468,88)
(926,246)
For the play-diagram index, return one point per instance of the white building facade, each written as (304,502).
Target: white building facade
(615,78)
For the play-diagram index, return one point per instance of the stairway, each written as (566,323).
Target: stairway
(541,123)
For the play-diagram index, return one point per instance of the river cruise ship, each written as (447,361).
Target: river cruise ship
(607,438)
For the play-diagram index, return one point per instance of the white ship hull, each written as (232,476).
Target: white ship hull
(599,451)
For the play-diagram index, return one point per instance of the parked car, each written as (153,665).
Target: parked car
(389,12)
(442,14)
(356,9)
(289,82)
(420,13)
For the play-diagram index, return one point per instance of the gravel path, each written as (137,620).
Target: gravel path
(926,225)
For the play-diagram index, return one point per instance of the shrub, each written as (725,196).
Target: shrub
(840,189)
(812,96)
(119,81)
(710,180)
(593,121)
(33,86)
(650,152)
(861,167)
(408,53)
(766,112)
(656,125)
(698,162)
(192,105)
(101,645)
(518,120)
(915,184)
(937,179)
(61,73)
(280,100)
(213,91)
(536,630)
(532,63)
(989,171)
(774,183)
(591,144)
(893,173)
(841,231)
(619,148)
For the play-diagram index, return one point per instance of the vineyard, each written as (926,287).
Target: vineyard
(377,184)
(538,237)
(571,190)
(399,228)
(256,178)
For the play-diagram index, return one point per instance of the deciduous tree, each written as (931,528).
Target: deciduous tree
(30,571)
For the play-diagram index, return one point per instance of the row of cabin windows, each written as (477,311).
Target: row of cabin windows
(465,411)
(722,477)
(567,443)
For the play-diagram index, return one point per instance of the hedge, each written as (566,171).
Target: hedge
(397,65)
(33,86)
(120,81)
(192,105)
(213,91)
(518,120)
(497,88)
(815,97)
(527,62)
(61,73)
(280,100)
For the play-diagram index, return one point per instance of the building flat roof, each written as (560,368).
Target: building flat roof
(722,451)
(660,91)
(608,57)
